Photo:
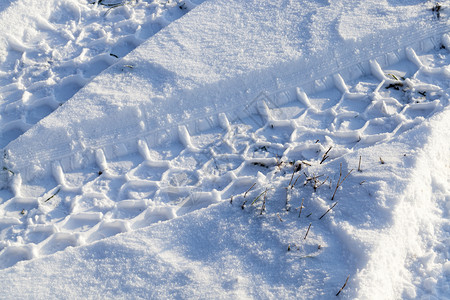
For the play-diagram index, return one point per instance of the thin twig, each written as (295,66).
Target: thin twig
(317,183)
(359,165)
(293,172)
(295,169)
(6,169)
(306,163)
(279,162)
(343,286)
(339,182)
(56,193)
(323,182)
(312,178)
(259,196)
(307,231)
(245,195)
(263,207)
(279,217)
(325,156)
(292,186)
(301,207)
(328,210)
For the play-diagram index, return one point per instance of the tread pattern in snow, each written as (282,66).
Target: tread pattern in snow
(125,192)
(48,66)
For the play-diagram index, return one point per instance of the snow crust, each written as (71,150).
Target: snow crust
(171,171)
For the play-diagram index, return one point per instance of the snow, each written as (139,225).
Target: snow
(225,149)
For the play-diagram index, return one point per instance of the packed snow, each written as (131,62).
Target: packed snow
(225,149)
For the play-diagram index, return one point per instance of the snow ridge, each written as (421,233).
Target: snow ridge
(70,44)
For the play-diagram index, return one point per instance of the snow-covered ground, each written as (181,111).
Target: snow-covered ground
(225,149)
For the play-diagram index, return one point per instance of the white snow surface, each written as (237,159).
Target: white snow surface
(225,149)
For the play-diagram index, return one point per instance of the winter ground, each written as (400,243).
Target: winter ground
(225,149)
